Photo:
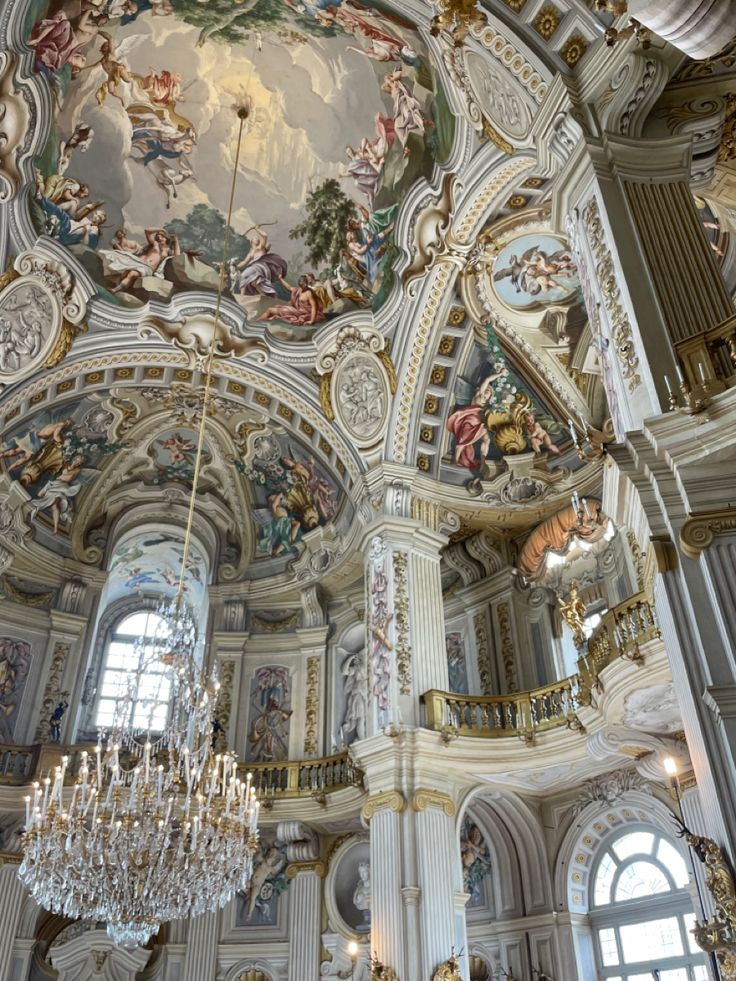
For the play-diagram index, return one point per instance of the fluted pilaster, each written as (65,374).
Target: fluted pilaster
(12,894)
(387,921)
(200,961)
(305,895)
(428,623)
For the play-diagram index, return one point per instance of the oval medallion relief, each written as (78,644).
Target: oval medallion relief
(29,326)
(497,96)
(360,396)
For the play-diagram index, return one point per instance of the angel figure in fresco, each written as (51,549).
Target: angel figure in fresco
(59,41)
(366,161)
(38,453)
(115,71)
(57,495)
(304,308)
(536,271)
(180,449)
(467,424)
(279,529)
(407,115)
(537,436)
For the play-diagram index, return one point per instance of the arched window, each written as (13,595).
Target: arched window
(642,911)
(124,659)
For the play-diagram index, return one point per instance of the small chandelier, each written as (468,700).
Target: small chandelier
(156,827)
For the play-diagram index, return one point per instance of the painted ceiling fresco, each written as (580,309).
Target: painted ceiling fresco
(92,459)
(346,112)
(149,561)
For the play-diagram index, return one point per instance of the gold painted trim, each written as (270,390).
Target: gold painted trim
(294,868)
(424,798)
(388,800)
(702,527)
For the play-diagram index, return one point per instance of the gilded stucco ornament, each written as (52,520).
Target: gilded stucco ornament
(494,101)
(357,380)
(448,971)
(196,335)
(388,800)
(458,17)
(42,307)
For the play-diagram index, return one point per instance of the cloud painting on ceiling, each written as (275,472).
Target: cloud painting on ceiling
(149,562)
(346,113)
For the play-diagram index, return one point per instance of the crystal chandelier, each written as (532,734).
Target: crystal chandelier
(155,827)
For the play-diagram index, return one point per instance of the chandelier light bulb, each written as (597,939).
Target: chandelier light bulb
(353,949)
(670,766)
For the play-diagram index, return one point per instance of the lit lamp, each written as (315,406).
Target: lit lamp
(353,949)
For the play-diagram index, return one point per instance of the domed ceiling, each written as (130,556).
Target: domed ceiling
(346,112)
(396,290)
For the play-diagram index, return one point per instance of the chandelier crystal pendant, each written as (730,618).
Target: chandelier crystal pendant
(155,826)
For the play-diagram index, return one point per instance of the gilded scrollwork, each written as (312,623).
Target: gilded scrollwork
(312,708)
(401,609)
(52,691)
(424,798)
(482,653)
(621,332)
(507,647)
(221,725)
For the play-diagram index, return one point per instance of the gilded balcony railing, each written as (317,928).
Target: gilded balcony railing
(522,714)
(274,781)
(621,633)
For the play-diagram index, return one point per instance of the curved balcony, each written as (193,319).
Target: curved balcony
(623,631)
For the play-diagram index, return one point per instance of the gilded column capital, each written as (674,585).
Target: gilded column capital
(388,800)
(293,869)
(702,527)
(424,798)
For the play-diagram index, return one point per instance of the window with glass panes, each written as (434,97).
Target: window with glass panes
(642,912)
(127,659)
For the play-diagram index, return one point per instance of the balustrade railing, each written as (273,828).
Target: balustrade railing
(292,778)
(17,763)
(623,631)
(520,715)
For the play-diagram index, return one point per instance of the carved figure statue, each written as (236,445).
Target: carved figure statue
(574,614)
(354,670)
(57,715)
(362,892)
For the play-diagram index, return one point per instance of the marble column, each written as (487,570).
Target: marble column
(200,960)
(650,280)
(440,878)
(699,28)
(305,903)
(383,813)
(12,894)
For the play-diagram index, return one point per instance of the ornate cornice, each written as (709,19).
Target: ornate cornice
(702,527)
(424,798)
(388,800)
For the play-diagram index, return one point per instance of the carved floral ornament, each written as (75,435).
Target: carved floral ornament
(42,309)
(356,384)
